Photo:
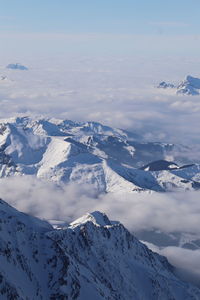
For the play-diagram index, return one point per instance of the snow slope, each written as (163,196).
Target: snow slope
(92,258)
(90,153)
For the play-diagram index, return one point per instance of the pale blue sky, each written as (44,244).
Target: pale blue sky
(101,16)
(103,26)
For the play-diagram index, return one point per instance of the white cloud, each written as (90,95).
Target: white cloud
(116,91)
(168,212)
(186,261)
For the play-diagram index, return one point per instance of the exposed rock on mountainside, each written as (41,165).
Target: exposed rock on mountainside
(93,258)
(160,165)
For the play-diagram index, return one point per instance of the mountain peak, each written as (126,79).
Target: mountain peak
(97,218)
(16,66)
(165,85)
(195,82)
(189,86)
(92,262)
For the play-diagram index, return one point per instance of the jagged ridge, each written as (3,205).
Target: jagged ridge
(93,258)
(189,86)
(88,153)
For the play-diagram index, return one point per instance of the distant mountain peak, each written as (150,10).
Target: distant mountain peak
(17,66)
(189,86)
(97,218)
(165,85)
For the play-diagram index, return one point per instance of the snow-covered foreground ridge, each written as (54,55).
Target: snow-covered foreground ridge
(110,159)
(92,258)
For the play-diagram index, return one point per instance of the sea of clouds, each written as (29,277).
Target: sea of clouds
(168,212)
(119,92)
(116,91)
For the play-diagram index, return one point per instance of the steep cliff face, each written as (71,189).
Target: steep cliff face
(92,258)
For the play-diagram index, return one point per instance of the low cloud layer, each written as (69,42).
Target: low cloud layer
(166,211)
(115,91)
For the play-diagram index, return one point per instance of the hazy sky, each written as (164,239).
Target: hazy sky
(113,16)
(100,27)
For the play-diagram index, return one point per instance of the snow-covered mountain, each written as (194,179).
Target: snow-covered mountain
(89,153)
(92,258)
(16,66)
(189,86)
(160,165)
(166,85)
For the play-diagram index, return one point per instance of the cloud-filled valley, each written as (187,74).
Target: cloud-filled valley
(167,212)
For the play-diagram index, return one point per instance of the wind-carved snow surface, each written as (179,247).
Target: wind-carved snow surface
(92,258)
(111,160)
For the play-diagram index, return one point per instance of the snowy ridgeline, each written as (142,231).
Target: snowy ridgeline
(111,160)
(189,86)
(92,258)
